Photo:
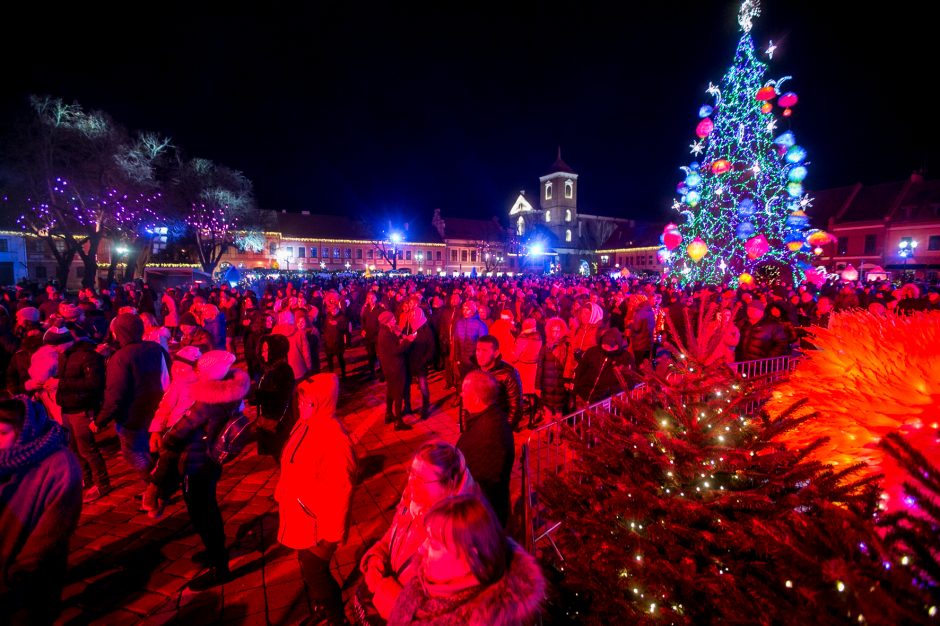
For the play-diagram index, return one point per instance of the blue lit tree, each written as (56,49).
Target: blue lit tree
(741,204)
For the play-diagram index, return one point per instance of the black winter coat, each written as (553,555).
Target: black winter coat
(392,353)
(421,353)
(335,332)
(510,389)
(215,402)
(641,329)
(550,375)
(369,319)
(133,385)
(488,447)
(81,378)
(599,374)
(201,338)
(763,340)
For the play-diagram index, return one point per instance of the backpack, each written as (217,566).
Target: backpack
(232,439)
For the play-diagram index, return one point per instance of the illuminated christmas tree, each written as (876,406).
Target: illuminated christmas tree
(742,201)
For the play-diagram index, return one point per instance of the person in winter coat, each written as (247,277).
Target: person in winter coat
(730,336)
(154,332)
(274,396)
(466,333)
(486,442)
(193,334)
(369,317)
(213,320)
(604,370)
(641,331)
(762,336)
(40,503)
(336,333)
(18,369)
(176,402)
(420,356)
(217,395)
(490,360)
(169,310)
(314,492)
(470,572)
(306,322)
(550,376)
(298,356)
(502,330)
(438,470)
(260,323)
(584,337)
(526,361)
(80,393)
(392,351)
(446,338)
(135,379)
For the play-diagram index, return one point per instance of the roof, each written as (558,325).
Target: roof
(827,203)
(560,166)
(873,203)
(921,201)
(634,235)
(344,227)
(476,230)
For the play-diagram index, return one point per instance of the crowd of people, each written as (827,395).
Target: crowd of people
(174,371)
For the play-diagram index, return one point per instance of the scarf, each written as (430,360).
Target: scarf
(38,439)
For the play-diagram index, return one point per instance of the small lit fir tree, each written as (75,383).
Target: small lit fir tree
(742,201)
(681,508)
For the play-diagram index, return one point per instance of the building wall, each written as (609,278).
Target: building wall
(13,263)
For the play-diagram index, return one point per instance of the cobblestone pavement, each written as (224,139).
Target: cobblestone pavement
(126,568)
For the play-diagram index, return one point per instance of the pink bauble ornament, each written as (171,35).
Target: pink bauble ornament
(756,247)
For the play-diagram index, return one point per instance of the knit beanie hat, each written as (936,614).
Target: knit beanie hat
(127,328)
(188,355)
(69,311)
(214,365)
(56,336)
(386,318)
(27,314)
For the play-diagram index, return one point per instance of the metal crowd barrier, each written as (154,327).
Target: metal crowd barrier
(545,452)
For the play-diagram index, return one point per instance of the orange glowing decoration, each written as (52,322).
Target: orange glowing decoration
(765,94)
(767,107)
(697,249)
(872,375)
(745,279)
(794,246)
(721,166)
(819,238)
(787,101)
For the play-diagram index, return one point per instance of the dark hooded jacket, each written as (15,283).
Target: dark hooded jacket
(274,396)
(135,377)
(81,378)
(602,373)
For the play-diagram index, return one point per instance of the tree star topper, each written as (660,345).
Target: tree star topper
(749,10)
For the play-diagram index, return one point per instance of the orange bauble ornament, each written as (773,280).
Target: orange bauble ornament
(697,249)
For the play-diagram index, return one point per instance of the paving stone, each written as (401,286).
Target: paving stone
(145,603)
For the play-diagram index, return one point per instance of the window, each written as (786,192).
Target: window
(348,253)
(463,256)
(548,190)
(933,243)
(548,217)
(407,255)
(358,254)
(41,272)
(473,256)
(520,226)
(272,248)
(326,253)
(843,245)
(399,255)
(301,252)
(336,253)
(650,260)
(4,245)
(369,254)
(290,251)
(568,235)
(567,215)
(870,241)
(453,255)
(313,253)
(430,256)
(569,190)
(438,255)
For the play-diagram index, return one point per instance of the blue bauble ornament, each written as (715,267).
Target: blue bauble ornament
(786,139)
(682,189)
(795,190)
(797,174)
(745,230)
(693,180)
(695,166)
(704,111)
(795,154)
(746,207)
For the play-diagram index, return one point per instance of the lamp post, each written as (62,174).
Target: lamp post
(420,258)
(906,250)
(395,238)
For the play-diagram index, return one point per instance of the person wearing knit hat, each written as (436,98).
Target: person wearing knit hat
(392,349)
(214,365)
(604,370)
(27,314)
(70,312)
(57,336)
(193,334)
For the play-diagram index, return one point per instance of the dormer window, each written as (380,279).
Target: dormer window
(568,235)
(548,190)
(548,217)
(569,189)
(567,215)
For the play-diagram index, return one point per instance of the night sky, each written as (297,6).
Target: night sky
(397,109)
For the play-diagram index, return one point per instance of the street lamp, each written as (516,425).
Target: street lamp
(906,250)
(420,258)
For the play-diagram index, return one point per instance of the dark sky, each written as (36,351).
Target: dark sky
(398,108)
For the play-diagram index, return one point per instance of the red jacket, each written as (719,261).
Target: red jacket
(317,466)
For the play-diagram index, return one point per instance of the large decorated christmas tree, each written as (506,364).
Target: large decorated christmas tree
(742,201)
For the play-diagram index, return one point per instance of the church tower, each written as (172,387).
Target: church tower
(558,197)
